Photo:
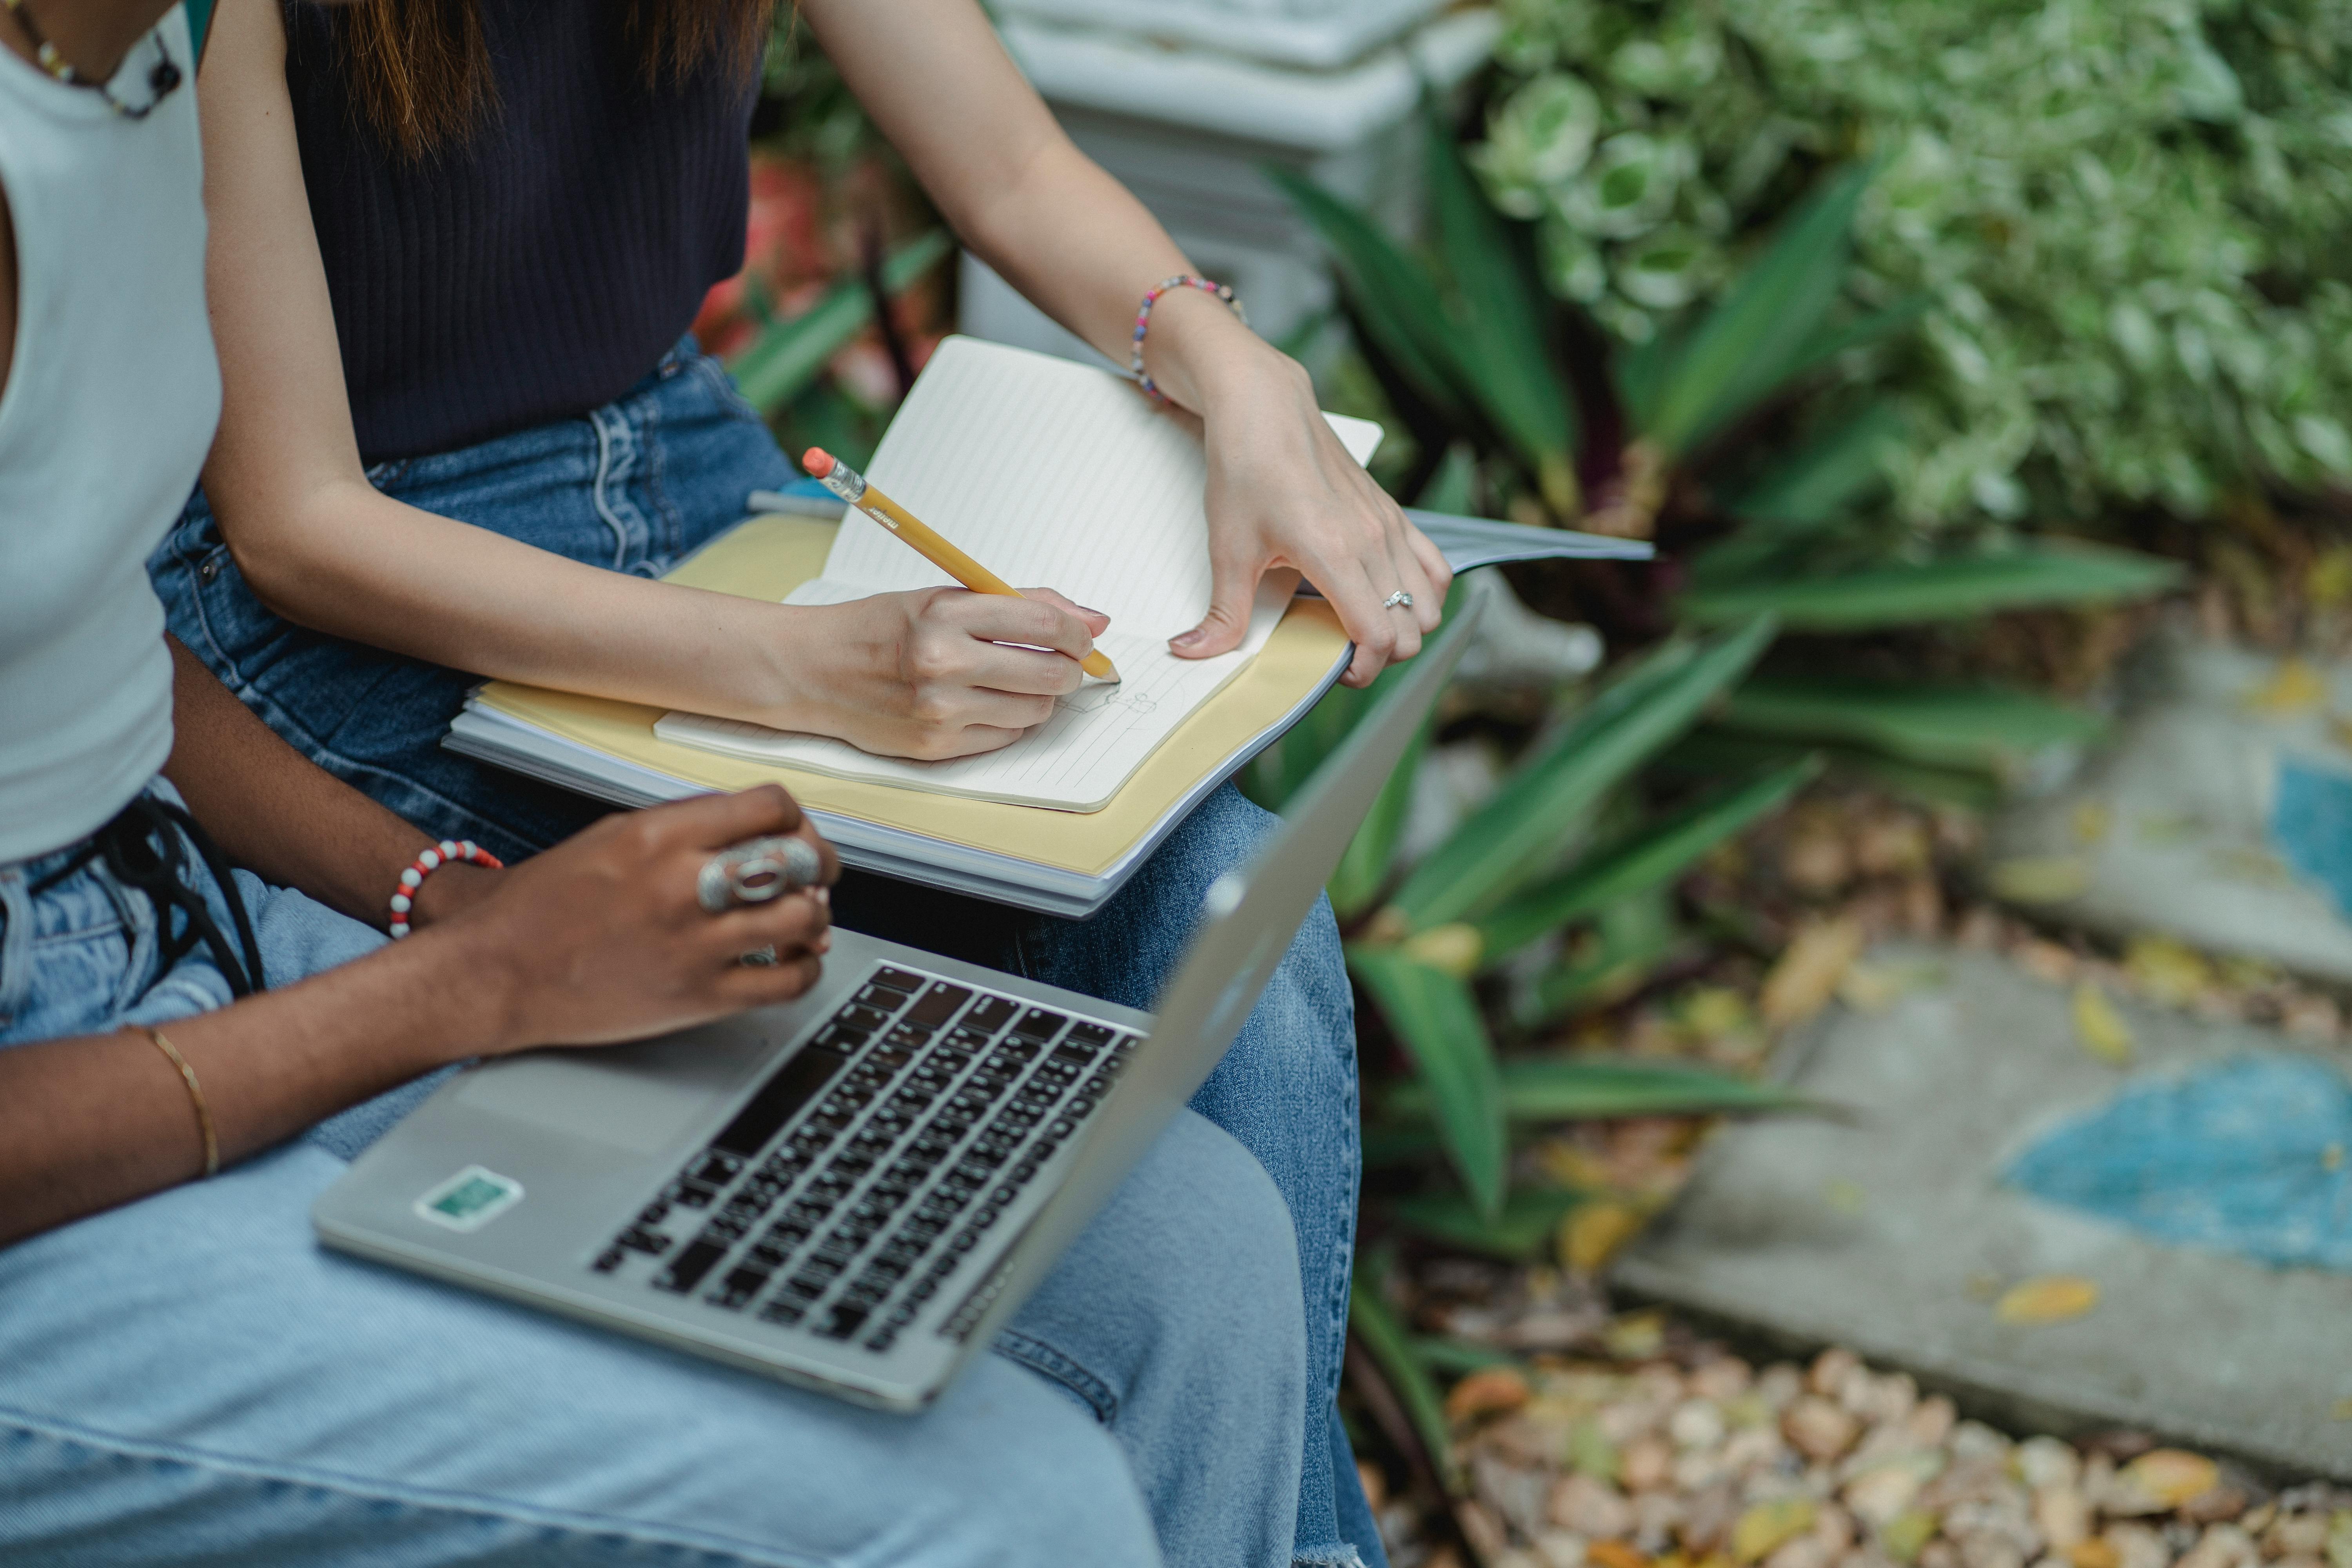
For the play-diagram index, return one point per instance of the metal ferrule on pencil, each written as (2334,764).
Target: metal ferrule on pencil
(845,482)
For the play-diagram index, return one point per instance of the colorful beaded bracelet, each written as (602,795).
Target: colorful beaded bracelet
(1143,322)
(448,852)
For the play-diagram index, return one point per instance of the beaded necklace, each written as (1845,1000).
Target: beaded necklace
(160,81)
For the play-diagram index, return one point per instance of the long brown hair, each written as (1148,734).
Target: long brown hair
(420,70)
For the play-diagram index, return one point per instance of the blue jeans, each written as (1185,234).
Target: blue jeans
(636,486)
(190,1378)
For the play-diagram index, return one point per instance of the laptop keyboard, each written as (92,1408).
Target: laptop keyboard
(854,1184)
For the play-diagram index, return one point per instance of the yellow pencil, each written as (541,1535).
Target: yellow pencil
(850,486)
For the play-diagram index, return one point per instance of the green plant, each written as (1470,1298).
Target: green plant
(1518,869)
(2127,214)
(1573,848)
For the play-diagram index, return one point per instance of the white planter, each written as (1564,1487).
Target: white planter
(1321,35)
(1189,130)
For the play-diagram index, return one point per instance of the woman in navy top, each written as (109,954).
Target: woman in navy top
(454,249)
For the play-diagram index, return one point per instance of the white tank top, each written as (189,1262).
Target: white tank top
(111,397)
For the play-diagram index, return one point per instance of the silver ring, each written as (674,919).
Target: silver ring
(1400,600)
(755,872)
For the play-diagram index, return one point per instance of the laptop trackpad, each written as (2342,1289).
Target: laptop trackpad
(637,1098)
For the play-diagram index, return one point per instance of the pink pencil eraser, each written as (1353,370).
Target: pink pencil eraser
(817,461)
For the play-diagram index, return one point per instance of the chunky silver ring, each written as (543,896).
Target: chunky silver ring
(755,872)
(1400,600)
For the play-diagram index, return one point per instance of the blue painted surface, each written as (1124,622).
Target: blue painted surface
(2247,1157)
(2311,826)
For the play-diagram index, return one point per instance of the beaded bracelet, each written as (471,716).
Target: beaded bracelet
(1143,322)
(448,852)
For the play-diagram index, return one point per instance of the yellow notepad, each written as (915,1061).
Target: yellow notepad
(1058,861)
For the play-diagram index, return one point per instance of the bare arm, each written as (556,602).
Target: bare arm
(598,940)
(1283,493)
(925,675)
(288,822)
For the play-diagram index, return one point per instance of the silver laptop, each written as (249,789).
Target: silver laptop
(850,1192)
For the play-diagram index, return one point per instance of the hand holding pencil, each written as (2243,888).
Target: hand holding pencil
(850,486)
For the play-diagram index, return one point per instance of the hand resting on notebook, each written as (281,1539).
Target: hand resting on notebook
(1284,493)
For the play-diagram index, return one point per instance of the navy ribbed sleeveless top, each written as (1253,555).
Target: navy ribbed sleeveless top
(541,268)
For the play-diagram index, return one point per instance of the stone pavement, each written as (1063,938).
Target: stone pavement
(1891,1234)
(2217,814)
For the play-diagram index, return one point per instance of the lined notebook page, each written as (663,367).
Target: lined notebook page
(1052,474)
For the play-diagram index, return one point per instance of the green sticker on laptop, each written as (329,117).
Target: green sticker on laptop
(470,1199)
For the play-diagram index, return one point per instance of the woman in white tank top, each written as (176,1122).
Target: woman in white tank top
(184,1373)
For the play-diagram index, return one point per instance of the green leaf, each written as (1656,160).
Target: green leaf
(1385,1339)
(1599,979)
(1759,334)
(1453,489)
(1980,727)
(1655,856)
(1835,338)
(1955,587)
(1710,752)
(1507,841)
(1578,1087)
(1365,869)
(1442,1353)
(1827,475)
(787,356)
(1280,771)
(1503,348)
(1437,1020)
(1396,298)
(1519,1233)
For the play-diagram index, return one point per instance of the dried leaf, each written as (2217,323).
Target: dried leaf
(2294,687)
(1591,1232)
(1763,1529)
(2099,1028)
(1590,1453)
(1491,1391)
(2047,1299)
(2169,971)
(2169,1477)
(2339,1539)
(2040,878)
(1453,949)
(1635,1336)
(1907,1532)
(1875,987)
(1808,974)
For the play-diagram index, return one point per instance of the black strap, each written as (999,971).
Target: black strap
(143,846)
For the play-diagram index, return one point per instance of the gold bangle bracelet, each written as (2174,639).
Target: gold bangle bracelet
(196,1094)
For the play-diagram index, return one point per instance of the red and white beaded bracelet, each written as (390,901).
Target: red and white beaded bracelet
(1143,322)
(448,852)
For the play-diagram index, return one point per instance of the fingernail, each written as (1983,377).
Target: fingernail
(1185,640)
(1104,613)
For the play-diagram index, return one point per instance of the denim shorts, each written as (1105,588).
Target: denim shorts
(635,486)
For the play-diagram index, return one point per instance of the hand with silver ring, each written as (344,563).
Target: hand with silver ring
(1400,600)
(755,872)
